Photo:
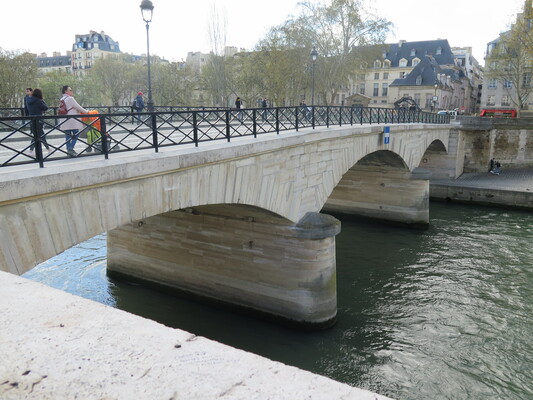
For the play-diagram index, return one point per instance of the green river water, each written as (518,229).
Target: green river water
(443,313)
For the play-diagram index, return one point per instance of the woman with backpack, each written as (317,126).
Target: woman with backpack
(72,126)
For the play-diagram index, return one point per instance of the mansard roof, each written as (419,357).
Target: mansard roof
(97,40)
(55,61)
(427,69)
(440,50)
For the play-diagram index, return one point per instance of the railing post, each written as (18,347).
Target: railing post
(104,138)
(254,122)
(361,115)
(296,116)
(195,128)
(340,115)
(327,116)
(313,116)
(228,132)
(277,121)
(155,142)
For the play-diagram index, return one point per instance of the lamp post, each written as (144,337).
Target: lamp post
(314,56)
(147,10)
(435,98)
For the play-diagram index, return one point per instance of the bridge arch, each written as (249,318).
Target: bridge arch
(284,181)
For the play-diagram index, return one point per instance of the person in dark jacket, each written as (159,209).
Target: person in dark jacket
(138,103)
(29,91)
(37,106)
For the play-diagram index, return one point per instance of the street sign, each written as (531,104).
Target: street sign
(386,135)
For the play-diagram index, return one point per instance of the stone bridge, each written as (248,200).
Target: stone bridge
(238,223)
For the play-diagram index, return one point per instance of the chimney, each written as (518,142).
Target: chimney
(400,43)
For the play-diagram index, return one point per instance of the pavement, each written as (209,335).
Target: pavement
(516,180)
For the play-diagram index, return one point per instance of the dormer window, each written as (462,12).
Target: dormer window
(386,64)
(439,51)
(416,61)
(403,62)
(419,80)
(413,52)
(377,64)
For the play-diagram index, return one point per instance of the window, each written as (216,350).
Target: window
(403,62)
(385,75)
(416,61)
(386,64)
(362,90)
(491,101)
(439,51)
(377,64)
(506,100)
(493,84)
(418,80)
(526,80)
(413,52)
(429,97)
(507,84)
(384,89)
(376,75)
(417,98)
(402,75)
(376,89)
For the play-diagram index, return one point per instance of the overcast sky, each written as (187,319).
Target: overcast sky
(182,26)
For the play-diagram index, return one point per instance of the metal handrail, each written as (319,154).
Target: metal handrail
(106,133)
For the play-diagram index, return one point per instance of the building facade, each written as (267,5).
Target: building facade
(427,72)
(57,62)
(89,47)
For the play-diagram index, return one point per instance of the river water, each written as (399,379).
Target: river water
(444,313)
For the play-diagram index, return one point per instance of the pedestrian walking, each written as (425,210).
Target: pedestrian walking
(264,105)
(238,104)
(37,106)
(138,104)
(29,92)
(71,126)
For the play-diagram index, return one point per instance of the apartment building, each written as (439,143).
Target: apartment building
(427,72)
(87,48)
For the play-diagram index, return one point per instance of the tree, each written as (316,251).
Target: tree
(113,77)
(335,29)
(17,72)
(510,63)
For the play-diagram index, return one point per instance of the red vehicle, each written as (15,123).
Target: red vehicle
(497,113)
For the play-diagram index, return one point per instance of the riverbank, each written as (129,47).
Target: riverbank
(511,188)
(54,345)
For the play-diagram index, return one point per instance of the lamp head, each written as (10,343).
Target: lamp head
(314,54)
(147,9)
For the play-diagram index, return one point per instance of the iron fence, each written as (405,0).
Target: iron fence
(40,139)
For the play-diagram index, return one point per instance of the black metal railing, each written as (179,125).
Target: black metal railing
(40,139)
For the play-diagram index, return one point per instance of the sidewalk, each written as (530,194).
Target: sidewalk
(513,188)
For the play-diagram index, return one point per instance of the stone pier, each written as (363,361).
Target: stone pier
(241,256)
(385,193)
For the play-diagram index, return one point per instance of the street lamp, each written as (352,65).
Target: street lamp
(435,98)
(147,10)
(314,56)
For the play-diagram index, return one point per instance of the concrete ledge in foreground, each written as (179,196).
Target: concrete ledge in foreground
(54,345)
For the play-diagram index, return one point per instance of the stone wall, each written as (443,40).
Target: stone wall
(509,141)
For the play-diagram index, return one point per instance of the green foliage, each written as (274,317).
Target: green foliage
(17,72)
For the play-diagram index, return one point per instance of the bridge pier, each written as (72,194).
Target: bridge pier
(385,193)
(258,262)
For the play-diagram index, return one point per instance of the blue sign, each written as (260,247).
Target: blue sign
(386,135)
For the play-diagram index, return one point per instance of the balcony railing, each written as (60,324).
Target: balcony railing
(117,129)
